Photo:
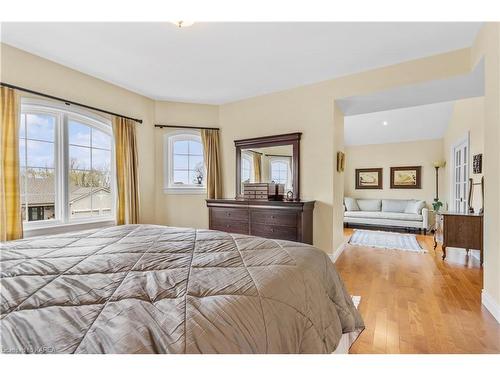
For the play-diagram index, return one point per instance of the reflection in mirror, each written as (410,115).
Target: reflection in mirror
(268,164)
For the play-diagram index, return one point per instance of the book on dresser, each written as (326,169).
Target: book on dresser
(282,220)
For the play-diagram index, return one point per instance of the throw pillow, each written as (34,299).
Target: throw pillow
(415,207)
(351,204)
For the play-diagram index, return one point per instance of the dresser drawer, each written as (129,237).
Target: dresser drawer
(274,231)
(231,226)
(270,217)
(240,214)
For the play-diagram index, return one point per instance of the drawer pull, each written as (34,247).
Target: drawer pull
(272,216)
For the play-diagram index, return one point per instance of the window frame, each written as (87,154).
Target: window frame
(248,157)
(168,163)
(63,114)
(281,159)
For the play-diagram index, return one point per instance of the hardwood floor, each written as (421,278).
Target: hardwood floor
(416,303)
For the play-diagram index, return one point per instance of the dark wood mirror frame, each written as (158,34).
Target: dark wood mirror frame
(269,141)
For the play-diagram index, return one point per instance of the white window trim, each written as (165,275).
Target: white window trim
(168,168)
(249,157)
(62,112)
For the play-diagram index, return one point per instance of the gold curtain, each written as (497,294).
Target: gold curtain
(10,200)
(257,162)
(127,210)
(211,151)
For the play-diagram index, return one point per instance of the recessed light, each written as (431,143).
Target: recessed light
(180,24)
(385,123)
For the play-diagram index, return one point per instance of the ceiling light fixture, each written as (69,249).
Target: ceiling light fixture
(181,24)
(385,123)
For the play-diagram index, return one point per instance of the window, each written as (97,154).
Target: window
(185,166)
(246,168)
(66,165)
(280,170)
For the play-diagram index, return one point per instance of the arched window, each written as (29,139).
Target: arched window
(66,165)
(185,166)
(246,168)
(280,171)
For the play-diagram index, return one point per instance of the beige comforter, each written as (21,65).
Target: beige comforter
(156,289)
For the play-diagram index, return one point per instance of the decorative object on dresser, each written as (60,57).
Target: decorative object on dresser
(279,161)
(291,221)
(406,177)
(263,191)
(472,185)
(463,231)
(369,178)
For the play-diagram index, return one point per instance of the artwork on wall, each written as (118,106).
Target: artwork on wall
(406,177)
(477,164)
(340,161)
(369,178)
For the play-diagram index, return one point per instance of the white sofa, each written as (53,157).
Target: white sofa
(402,213)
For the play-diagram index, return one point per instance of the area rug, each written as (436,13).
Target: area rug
(386,240)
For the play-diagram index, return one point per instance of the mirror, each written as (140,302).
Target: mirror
(272,159)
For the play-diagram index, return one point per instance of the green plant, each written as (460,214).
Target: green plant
(437,205)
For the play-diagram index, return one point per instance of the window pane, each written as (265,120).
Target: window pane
(101,139)
(101,202)
(181,177)
(40,127)
(78,134)
(101,160)
(22,152)
(196,178)
(195,148)
(196,162)
(80,195)
(40,154)
(181,147)
(38,194)
(181,162)
(79,157)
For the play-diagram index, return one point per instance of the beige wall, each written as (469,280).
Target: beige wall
(183,210)
(26,70)
(422,153)
(487,47)
(467,118)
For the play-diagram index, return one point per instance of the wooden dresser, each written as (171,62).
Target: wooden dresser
(462,230)
(291,221)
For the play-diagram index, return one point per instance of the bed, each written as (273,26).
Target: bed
(157,289)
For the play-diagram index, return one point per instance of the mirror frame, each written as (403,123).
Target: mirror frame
(269,141)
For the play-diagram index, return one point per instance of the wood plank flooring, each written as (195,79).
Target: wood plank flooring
(416,303)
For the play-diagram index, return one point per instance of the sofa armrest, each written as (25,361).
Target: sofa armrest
(425,217)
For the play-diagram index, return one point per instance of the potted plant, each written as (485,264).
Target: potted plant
(437,204)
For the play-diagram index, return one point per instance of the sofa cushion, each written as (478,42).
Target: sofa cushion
(369,204)
(351,204)
(394,205)
(415,207)
(383,215)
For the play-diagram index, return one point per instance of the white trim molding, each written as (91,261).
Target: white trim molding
(491,305)
(336,254)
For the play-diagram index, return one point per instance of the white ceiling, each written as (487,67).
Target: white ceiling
(223,62)
(403,125)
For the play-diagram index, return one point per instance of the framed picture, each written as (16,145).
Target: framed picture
(340,161)
(477,164)
(406,177)
(369,178)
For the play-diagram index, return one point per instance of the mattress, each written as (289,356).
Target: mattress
(157,289)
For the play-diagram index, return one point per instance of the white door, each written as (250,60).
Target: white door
(461,176)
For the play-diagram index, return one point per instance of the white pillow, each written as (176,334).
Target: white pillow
(351,204)
(369,204)
(414,207)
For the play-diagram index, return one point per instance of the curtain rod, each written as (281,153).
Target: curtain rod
(183,127)
(68,102)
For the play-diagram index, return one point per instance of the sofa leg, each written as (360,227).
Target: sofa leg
(425,232)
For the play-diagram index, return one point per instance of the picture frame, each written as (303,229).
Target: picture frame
(406,177)
(369,178)
(477,164)
(340,161)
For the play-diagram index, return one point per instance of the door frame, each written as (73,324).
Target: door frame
(465,139)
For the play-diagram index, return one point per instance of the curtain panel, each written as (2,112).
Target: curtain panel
(11,226)
(127,210)
(257,169)
(211,152)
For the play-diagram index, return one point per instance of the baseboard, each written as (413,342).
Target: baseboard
(338,252)
(491,305)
